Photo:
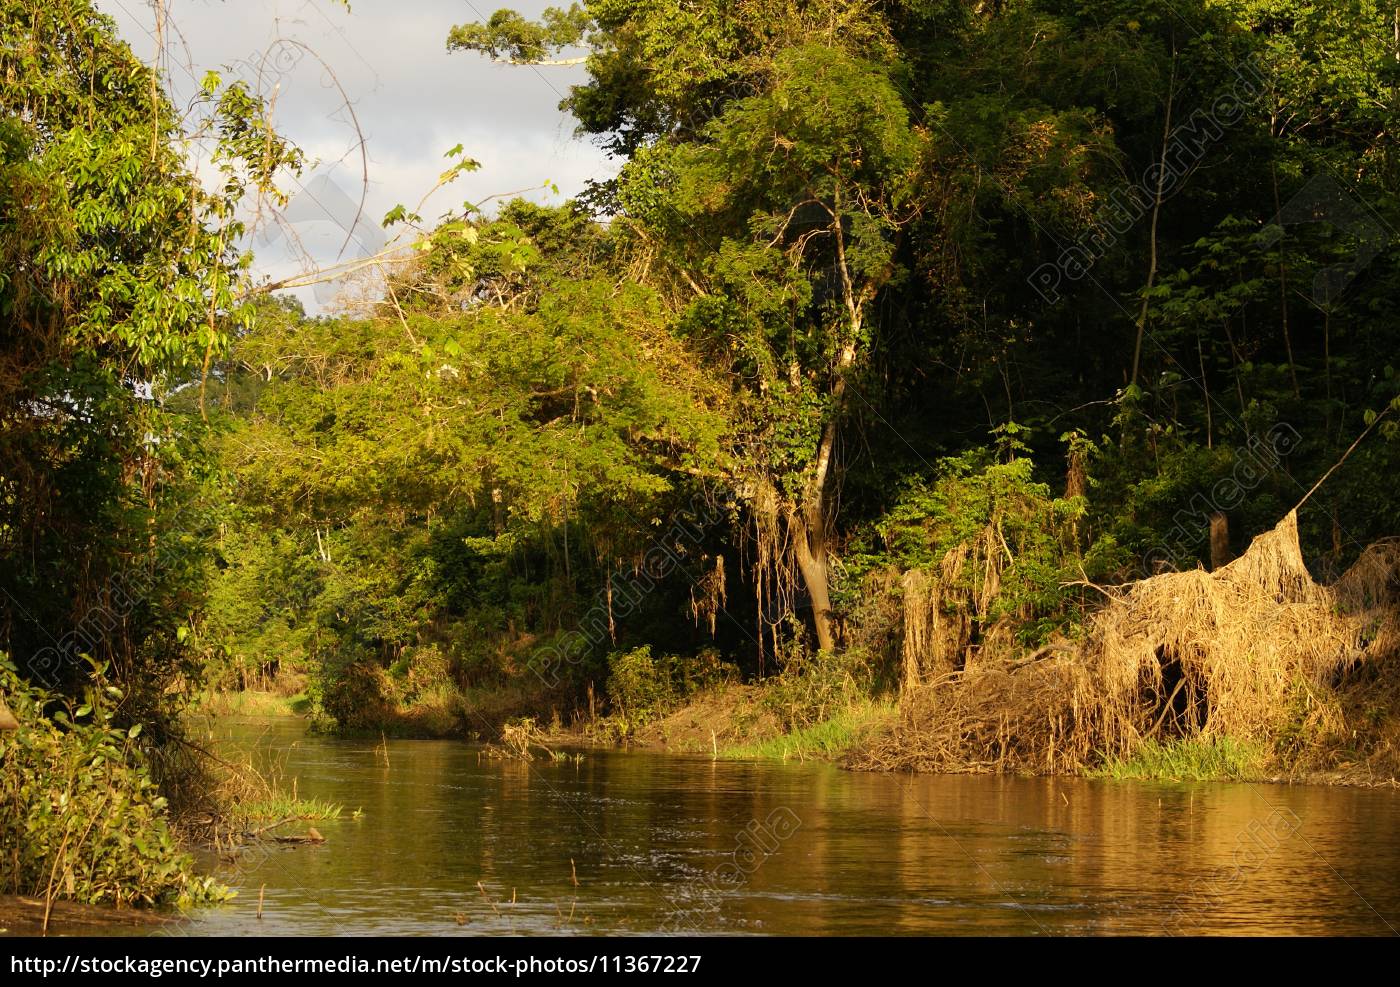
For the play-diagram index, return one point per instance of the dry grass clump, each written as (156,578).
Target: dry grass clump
(941,610)
(996,717)
(1216,654)
(1251,652)
(1370,590)
(520,740)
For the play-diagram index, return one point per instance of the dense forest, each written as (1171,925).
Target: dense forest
(912,346)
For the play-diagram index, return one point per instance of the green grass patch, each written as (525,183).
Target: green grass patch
(823,741)
(256,705)
(267,813)
(1216,759)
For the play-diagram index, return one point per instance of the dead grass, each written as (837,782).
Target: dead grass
(714,719)
(1248,652)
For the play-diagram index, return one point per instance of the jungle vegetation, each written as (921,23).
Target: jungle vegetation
(903,329)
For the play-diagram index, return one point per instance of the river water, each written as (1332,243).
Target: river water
(450,842)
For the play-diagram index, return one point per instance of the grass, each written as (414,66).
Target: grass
(1219,759)
(823,741)
(253,704)
(282,806)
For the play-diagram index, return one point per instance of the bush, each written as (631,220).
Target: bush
(80,816)
(420,671)
(356,694)
(640,687)
(814,687)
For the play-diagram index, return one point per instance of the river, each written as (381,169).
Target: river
(451,842)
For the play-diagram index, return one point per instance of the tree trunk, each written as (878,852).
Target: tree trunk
(1220,554)
(807,522)
(1156,215)
(809,545)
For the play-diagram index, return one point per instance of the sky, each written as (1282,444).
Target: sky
(383,64)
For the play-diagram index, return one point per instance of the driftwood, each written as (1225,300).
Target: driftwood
(312,837)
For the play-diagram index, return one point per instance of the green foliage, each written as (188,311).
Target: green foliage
(805,188)
(1216,759)
(815,687)
(640,687)
(455,481)
(122,281)
(973,501)
(861,264)
(80,817)
(507,34)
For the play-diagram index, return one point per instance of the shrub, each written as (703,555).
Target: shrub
(640,687)
(356,694)
(80,816)
(814,687)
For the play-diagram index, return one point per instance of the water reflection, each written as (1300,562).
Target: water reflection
(450,842)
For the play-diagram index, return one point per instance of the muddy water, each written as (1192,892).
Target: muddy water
(450,842)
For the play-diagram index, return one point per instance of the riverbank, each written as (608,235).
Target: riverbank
(725,726)
(255,703)
(1251,671)
(735,721)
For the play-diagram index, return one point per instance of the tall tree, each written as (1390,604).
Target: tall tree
(779,157)
(122,279)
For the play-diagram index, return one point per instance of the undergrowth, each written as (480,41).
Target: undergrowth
(1198,759)
(81,817)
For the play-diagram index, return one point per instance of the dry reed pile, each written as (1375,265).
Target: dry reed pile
(947,617)
(1235,652)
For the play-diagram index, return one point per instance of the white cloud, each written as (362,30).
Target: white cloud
(412,99)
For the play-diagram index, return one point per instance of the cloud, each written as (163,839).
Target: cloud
(383,66)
